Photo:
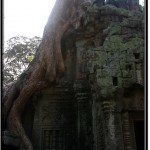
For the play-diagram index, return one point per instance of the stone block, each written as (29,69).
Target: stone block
(126,82)
(113,57)
(109,55)
(135,23)
(115,29)
(96,55)
(138,66)
(104,82)
(99,48)
(130,58)
(127,73)
(89,54)
(97,42)
(89,64)
(142,56)
(80,43)
(122,65)
(99,62)
(113,90)
(113,43)
(114,64)
(99,57)
(83,66)
(103,73)
(11,139)
(104,92)
(133,78)
(141,48)
(115,72)
(90,70)
(130,51)
(122,56)
(102,61)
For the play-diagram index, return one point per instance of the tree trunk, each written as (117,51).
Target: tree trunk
(45,70)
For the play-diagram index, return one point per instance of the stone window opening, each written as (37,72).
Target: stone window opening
(115,81)
(128,67)
(137,55)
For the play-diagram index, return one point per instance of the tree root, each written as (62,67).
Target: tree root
(46,69)
(14,119)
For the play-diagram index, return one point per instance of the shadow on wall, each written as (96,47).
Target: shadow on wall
(134,97)
(7,147)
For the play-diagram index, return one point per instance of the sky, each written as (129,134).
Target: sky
(27,17)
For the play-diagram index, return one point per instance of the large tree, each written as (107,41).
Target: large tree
(46,68)
(18,53)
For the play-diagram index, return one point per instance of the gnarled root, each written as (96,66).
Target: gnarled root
(47,66)
(14,119)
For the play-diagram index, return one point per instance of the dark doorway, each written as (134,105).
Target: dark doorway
(7,147)
(139,134)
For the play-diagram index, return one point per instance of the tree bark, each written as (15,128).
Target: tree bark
(45,70)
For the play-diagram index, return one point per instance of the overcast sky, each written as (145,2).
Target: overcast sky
(27,17)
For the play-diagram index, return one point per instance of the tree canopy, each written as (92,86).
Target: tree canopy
(18,53)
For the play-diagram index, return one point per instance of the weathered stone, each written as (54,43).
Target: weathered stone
(103,75)
(105,82)
(126,82)
(11,139)
(80,43)
(116,72)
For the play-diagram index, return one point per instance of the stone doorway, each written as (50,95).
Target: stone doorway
(133,130)
(54,126)
(139,134)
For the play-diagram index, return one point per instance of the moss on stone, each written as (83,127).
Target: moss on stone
(113,43)
(115,30)
(112,10)
(134,44)
(115,56)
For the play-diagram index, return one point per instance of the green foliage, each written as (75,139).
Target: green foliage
(17,55)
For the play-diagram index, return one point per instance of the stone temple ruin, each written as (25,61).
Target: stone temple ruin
(99,103)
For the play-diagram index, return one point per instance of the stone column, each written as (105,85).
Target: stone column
(84,121)
(109,119)
(94,122)
(128,144)
(112,125)
(139,73)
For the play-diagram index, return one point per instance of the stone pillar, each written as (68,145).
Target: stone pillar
(84,121)
(128,144)
(139,73)
(94,121)
(112,125)
(110,136)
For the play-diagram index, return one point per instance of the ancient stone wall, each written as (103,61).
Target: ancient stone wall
(103,83)
(110,55)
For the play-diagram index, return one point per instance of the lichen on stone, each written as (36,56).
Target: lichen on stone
(113,10)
